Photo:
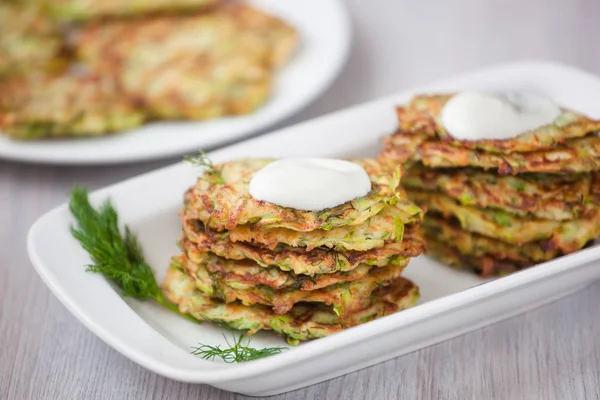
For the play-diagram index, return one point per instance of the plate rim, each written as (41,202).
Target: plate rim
(331,343)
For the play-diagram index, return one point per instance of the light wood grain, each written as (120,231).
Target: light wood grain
(549,353)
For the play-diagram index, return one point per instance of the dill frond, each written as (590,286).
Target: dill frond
(119,259)
(211,173)
(235,352)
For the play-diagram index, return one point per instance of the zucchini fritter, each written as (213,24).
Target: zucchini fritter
(197,66)
(545,196)
(572,156)
(345,297)
(245,273)
(27,39)
(298,259)
(476,245)
(386,226)
(304,321)
(566,236)
(223,202)
(38,105)
(422,115)
(485,265)
(79,10)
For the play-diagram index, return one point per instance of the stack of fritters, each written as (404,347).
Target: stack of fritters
(254,265)
(500,205)
(135,62)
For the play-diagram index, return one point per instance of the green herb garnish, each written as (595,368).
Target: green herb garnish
(119,259)
(211,173)
(236,352)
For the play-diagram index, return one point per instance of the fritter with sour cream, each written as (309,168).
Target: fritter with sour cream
(221,200)
(423,116)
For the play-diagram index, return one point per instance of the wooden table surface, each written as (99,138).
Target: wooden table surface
(549,353)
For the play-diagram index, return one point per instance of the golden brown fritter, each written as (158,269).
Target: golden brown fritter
(345,297)
(422,116)
(298,259)
(38,105)
(245,273)
(232,280)
(566,236)
(304,321)
(386,226)
(79,10)
(545,196)
(197,66)
(476,245)
(27,39)
(221,201)
(485,265)
(573,156)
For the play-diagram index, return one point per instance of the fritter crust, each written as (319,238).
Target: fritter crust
(566,236)
(476,245)
(304,321)
(572,156)
(545,196)
(345,297)
(246,273)
(298,259)
(484,265)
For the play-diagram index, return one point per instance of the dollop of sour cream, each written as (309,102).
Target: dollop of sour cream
(487,115)
(310,184)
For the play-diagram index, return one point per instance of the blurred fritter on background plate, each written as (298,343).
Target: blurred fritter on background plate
(87,68)
(27,38)
(198,66)
(82,10)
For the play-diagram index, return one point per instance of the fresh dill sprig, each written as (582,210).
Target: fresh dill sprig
(119,259)
(211,173)
(236,352)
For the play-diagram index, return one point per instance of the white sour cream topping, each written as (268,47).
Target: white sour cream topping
(481,115)
(310,184)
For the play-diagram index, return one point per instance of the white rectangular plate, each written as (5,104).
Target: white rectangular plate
(452,302)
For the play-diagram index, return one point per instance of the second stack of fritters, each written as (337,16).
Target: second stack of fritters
(497,206)
(126,63)
(254,265)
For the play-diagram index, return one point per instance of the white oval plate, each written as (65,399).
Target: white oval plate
(325,35)
(452,302)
